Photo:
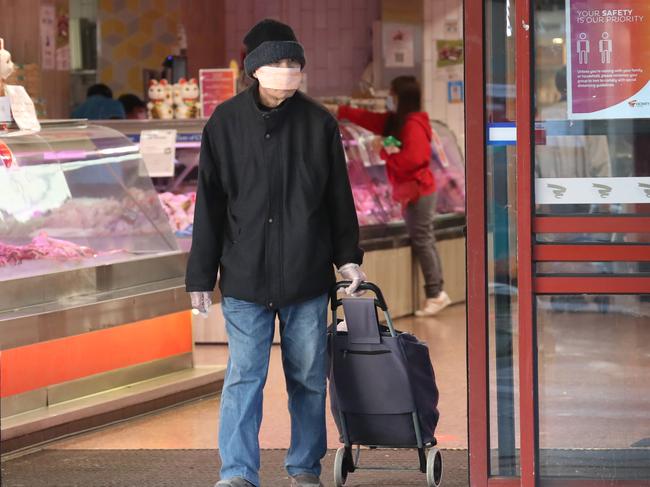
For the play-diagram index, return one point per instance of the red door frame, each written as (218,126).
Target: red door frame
(477,317)
(523,27)
(527,254)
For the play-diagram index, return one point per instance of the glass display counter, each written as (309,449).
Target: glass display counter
(92,292)
(73,197)
(372,191)
(377,212)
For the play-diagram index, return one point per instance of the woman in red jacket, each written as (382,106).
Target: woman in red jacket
(410,177)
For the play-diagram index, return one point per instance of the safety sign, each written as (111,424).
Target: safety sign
(608,63)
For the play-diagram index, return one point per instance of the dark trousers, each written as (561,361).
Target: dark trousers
(418,216)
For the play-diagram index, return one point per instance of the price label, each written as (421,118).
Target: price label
(158,150)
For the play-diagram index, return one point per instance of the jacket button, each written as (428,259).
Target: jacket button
(270,220)
(267,136)
(270,304)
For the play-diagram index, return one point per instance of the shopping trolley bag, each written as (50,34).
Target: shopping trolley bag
(382,385)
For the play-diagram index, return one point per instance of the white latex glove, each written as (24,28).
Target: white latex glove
(391,149)
(201,303)
(352,272)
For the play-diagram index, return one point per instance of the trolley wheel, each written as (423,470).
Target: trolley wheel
(340,467)
(434,468)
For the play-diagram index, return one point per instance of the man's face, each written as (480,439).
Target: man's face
(138,113)
(280,95)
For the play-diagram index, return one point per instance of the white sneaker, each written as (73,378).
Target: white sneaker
(433,306)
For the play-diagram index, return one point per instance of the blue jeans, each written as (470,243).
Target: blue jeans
(250,328)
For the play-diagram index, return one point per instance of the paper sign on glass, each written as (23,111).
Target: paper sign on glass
(22,108)
(158,150)
(608,63)
(5,109)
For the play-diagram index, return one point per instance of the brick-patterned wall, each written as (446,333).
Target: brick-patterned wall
(336,34)
(134,35)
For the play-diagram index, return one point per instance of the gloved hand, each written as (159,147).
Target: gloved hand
(201,302)
(352,272)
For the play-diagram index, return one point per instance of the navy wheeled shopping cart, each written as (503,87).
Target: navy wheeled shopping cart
(382,387)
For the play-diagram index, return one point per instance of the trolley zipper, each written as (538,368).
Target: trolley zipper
(364,352)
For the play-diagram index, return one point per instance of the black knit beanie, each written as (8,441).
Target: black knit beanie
(268,42)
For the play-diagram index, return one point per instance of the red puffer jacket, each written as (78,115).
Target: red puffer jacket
(408,171)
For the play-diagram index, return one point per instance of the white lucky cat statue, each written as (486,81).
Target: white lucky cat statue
(159,95)
(177,97)
(6,66)
(186,98)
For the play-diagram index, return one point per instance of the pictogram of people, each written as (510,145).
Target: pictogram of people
(605,48)
(583,48)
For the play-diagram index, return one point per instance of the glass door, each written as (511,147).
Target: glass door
(591,236)
(558,162)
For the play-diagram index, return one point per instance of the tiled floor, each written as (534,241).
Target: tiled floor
(195,425)
(594,401)
(593,372)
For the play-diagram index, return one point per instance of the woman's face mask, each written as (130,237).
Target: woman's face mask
(278,78)
(390,103)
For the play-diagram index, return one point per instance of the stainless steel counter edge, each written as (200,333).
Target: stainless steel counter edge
(127,306)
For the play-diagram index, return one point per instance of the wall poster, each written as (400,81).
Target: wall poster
(608,63)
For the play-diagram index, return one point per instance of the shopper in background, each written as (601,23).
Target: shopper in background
(99,105)
(411,178)
(274,212)
(134,107)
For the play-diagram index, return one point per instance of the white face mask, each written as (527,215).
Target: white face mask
(390,104)
(274,78)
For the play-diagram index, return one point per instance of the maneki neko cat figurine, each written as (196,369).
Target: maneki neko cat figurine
(6,66)
(159,105)
(186,98)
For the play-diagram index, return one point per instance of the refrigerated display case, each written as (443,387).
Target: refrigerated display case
(91,281)
(383,232)
(370,186)
(76,197)
(367,171)
(377,212)
(188,144)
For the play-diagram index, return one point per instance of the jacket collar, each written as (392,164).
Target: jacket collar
(272,117)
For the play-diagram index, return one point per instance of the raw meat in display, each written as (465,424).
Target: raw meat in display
(367,171)
(105,216)
(370,187)
(179,209)
(43,247)
(448,167)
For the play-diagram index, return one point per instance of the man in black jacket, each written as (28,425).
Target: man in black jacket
(274,213)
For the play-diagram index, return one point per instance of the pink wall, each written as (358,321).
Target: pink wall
(336,34)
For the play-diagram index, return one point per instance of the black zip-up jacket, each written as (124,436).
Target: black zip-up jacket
(274,208)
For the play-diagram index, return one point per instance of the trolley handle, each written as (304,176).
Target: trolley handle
(364,286)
